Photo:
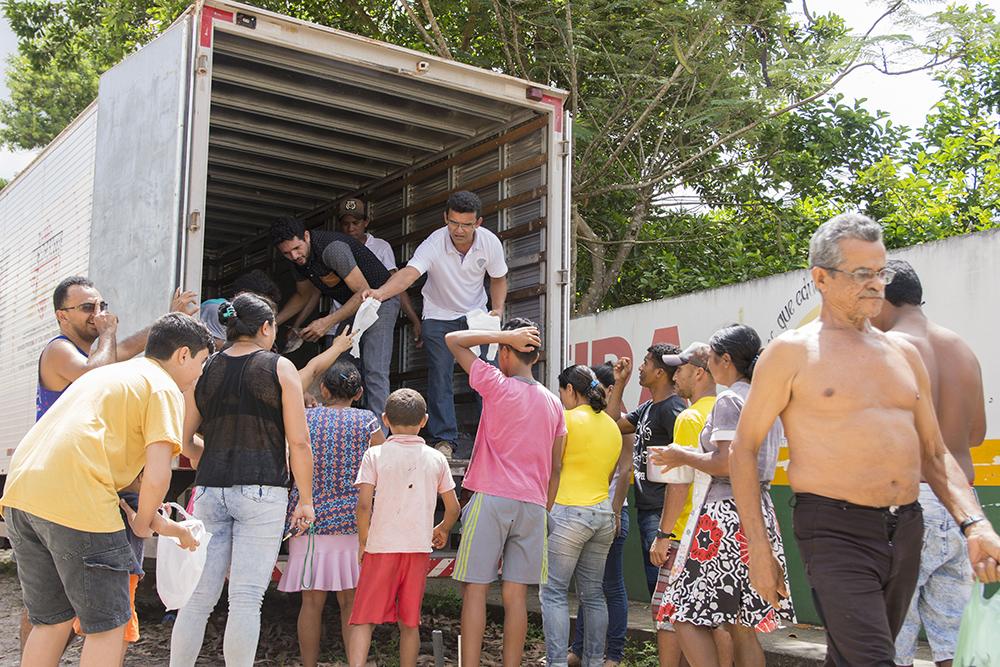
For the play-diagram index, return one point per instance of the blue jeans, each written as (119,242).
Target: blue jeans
(442,424)
(617,597)
(578,545)
(376,357)
(649,523)
(246,523)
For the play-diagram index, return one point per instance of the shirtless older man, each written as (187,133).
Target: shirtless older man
(858,413)
(945,581)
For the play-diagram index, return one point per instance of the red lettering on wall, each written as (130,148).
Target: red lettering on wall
(616,347)
(580,353)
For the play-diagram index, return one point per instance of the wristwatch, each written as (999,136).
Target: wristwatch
(975,518)
(660,535)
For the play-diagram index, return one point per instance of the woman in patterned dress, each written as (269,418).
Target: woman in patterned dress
(710,580)
(327,559)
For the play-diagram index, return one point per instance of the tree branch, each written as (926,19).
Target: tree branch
(415,20)
(443,49)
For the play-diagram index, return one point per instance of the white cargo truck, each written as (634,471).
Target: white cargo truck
(234,116)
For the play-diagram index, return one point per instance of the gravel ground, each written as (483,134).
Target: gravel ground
(278,646)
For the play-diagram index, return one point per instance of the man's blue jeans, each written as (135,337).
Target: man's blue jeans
(441,422)
(649,523)
(578,546)
(617,597)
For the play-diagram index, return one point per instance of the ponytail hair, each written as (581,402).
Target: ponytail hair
(584,382)
(245,315)
(741,343)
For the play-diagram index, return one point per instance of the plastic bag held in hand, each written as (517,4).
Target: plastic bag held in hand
(364,318)
(480,319)
(178,570)
(978,643)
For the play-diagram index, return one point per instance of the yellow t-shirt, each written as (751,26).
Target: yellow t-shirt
(687,429)
(593,444)
(92,442)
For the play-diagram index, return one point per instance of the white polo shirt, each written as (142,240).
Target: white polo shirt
(455,283)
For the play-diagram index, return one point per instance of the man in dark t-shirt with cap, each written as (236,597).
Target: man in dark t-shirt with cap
(337,266)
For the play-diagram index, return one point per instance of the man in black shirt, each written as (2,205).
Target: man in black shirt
(336,265)
(653,425)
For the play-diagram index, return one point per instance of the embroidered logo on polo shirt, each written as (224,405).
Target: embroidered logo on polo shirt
(481,262)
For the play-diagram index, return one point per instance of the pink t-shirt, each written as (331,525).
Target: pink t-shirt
(408,476)
(512,457)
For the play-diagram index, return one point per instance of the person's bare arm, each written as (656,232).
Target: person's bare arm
(622,370)
(356,281)
(558,449)
(62,362)
(398,282)
(978,431)
(673,503)
(155,482)
(300,457)
(314,370)
(192,446)
(769,394)
(311,305)
(459,342)
(498,295)
(406,304)
(713,463)
(181,302)
(305,292)
(363,515)
(946,477)
(624,469)
(451,512)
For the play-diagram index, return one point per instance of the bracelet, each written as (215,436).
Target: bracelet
(970,521)
(660,535)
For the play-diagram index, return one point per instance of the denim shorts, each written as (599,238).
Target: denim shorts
(66,572)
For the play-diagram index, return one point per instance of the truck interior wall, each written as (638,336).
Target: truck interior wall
(294,133)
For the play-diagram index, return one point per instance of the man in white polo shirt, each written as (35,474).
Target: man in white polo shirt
(456,258)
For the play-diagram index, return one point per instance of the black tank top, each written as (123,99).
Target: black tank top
(242,422)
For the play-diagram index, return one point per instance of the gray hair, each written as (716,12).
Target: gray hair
(824,246)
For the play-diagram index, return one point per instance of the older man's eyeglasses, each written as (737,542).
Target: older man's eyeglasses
(863,276)
(464,226)
(88,307)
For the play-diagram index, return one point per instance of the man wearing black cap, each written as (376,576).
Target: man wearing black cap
(353,219)
(335,265)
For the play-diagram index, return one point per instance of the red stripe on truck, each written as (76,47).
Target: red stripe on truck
(209,14)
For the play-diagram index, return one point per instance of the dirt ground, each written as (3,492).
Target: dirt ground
(277,646)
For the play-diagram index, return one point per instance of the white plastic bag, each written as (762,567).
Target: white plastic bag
(179,570)
(483,321)
(365,317)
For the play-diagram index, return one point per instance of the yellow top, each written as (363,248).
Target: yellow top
(92,442)
(687,429)
(593,444)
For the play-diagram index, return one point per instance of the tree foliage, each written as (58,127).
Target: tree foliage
(707,145)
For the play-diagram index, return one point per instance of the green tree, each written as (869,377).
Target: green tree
(694,118)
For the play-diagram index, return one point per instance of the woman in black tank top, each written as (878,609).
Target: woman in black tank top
(247,405)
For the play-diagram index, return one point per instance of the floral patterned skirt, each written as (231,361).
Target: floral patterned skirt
(713,587)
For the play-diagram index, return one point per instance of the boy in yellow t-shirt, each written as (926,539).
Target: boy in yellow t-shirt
(60,501)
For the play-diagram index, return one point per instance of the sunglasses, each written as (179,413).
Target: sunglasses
(88,307)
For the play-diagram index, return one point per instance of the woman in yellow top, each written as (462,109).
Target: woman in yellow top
(582,521)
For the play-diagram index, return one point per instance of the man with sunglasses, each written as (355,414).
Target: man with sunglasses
(456,258)
(858,410)
(86,340)
(84,319)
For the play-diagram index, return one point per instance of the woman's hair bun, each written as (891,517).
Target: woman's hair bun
(227,313)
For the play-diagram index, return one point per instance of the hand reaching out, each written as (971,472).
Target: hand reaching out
(184,302)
